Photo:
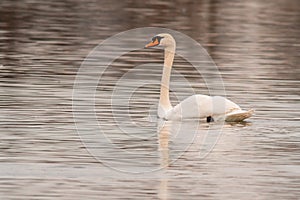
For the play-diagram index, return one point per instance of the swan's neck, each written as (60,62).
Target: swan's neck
(164,100)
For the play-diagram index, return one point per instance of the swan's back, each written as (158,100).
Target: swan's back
(202,106)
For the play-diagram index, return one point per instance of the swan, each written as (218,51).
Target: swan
(211,108)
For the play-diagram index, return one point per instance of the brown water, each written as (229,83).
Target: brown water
(256,46)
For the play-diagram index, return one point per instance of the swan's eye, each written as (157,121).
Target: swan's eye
(158,38)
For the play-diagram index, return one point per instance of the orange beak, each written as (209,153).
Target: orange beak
(152,43)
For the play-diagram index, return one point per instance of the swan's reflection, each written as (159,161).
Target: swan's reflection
(192,139)
(181,135)
(163,130)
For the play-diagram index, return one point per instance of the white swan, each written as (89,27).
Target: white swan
(196,106)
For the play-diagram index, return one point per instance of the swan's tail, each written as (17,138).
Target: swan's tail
(238,116)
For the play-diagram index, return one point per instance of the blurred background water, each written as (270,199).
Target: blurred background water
(255,45)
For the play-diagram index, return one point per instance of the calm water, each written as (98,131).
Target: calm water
(256,46)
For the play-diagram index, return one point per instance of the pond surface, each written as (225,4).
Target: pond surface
(44,154)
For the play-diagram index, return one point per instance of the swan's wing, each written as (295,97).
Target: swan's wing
(196,106)
(202,106)
(239,115)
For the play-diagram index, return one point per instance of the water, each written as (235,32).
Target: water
(42,45)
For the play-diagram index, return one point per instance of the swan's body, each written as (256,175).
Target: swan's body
(196,106)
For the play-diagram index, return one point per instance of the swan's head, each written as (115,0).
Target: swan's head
(164,39)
